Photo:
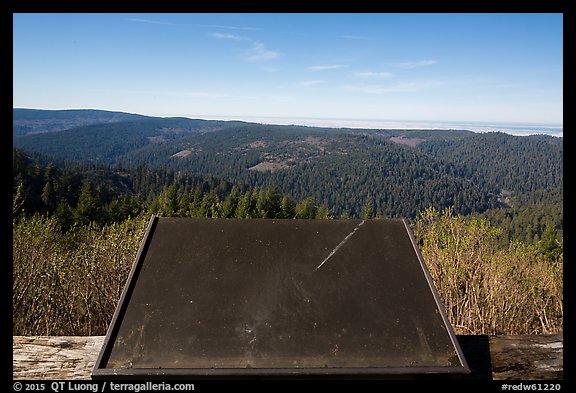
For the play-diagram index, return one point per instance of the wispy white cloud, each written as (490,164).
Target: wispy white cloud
(244,28)
(328,67)
(149,21)
(371,74)
(226,36)
(259,52)
(400,87)
(158,22)
(415,64)
(311,83)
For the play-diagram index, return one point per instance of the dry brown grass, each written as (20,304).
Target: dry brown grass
(69,284)
(487,289)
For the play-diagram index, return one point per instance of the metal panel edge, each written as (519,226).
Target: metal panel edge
(319,372)
(122,304)
(437,299)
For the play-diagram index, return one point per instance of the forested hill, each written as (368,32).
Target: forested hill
(86,194)
(390,172)
(517,164)
(32,121)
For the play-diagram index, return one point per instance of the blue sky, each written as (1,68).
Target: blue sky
(436,67)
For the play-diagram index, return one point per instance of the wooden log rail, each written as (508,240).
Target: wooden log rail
(522,357)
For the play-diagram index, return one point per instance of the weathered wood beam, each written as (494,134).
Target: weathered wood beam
(522,357)
(54,357)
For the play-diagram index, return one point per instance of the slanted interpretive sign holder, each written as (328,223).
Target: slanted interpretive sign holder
(275,298)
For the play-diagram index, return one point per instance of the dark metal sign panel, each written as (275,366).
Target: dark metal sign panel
(218,297)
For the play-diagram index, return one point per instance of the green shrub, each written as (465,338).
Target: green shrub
(487,288)
(69,283)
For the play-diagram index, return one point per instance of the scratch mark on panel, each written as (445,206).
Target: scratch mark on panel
(339,245)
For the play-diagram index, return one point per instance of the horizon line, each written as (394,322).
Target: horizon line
(359,123)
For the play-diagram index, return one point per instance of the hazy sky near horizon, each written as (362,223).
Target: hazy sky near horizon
(441,67)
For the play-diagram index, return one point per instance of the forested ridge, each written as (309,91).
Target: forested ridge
(71,259)
(514,181)
(504,162)
(487,209)
(398,172)
(32,121)
(81,194)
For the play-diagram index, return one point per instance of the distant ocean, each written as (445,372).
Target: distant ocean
(520,129)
